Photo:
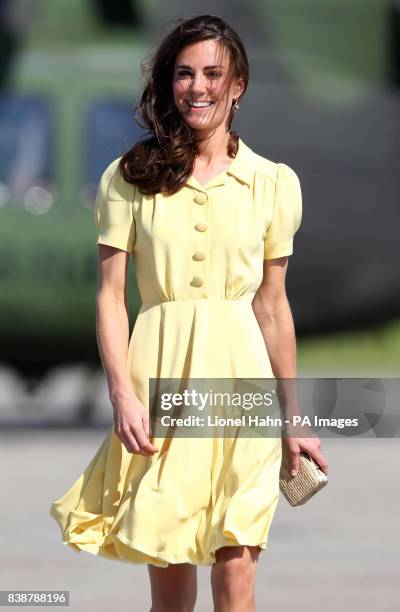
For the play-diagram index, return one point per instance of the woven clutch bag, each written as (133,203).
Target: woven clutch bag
(308,480)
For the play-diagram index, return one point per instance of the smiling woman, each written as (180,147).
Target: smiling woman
(207,65)
(199,83)
(205,91)
(213,307)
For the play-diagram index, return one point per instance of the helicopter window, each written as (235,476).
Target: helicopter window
(26,152)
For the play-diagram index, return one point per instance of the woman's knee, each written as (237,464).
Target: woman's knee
(173,588)
(238,565)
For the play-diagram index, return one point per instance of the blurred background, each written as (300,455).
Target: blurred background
(324,97)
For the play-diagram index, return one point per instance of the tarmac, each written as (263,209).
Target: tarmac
(338,552)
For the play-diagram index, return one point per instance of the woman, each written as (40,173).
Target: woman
(210,224)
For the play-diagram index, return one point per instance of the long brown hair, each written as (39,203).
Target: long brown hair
(162,162)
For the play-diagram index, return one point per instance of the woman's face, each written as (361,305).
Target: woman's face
(200,75)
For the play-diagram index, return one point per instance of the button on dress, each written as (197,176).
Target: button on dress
(198,258)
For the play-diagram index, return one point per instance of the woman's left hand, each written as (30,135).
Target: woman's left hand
(310,445)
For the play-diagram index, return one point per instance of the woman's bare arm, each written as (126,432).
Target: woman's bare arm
(112,323)
(272,310)
(112,331)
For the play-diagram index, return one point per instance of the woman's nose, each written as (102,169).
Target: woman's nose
(198,84)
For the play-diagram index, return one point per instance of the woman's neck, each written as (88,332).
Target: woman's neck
(213,149)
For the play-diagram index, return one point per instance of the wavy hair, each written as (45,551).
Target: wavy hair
(163,161)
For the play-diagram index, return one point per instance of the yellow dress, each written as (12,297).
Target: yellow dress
(198,258)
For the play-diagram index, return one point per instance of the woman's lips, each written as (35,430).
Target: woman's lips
(200,108)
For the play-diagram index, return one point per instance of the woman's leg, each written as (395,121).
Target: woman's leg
(173,588)
(233,578)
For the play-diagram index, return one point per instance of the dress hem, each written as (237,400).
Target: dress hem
(159,559)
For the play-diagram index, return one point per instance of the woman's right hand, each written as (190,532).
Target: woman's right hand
(131,424)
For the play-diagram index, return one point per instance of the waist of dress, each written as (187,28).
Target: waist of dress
(241,300)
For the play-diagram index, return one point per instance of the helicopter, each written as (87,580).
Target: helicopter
(323,97)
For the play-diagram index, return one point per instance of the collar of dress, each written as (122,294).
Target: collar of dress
(241,168)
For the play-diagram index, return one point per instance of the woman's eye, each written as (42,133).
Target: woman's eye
(213,74)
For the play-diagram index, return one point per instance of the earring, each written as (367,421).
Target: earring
(236,106)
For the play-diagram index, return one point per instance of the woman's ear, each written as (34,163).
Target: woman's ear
(239,88)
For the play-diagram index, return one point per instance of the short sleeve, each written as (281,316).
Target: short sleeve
(287,214)
(113,209)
